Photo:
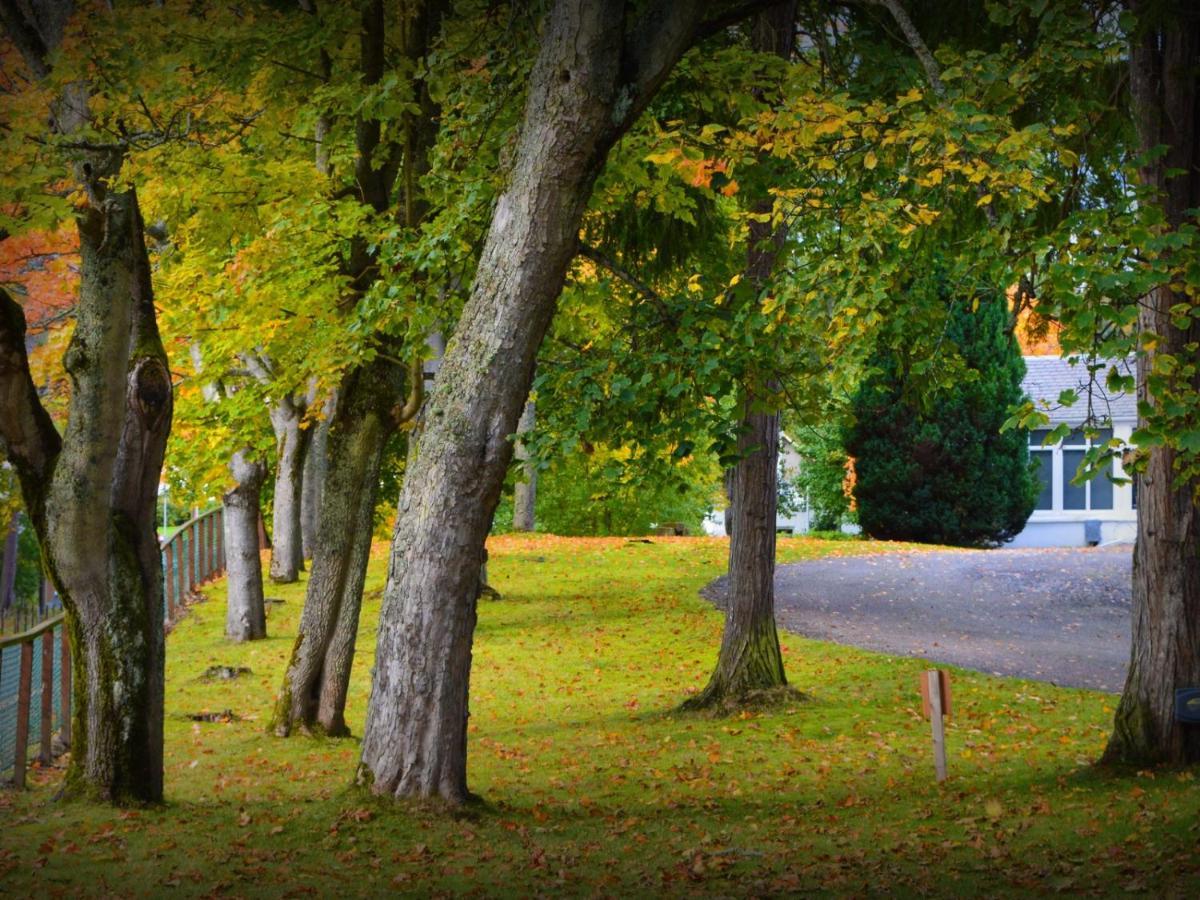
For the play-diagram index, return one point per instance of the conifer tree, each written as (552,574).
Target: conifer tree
(936,467)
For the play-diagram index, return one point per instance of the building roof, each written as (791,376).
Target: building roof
(1046,377)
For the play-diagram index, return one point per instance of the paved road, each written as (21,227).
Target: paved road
(1059,615)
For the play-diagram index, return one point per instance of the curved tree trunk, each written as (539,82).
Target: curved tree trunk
(525,490)
(245,614)
(750,661)
(594,73)
(292,439)
(1165,654)
(313,697)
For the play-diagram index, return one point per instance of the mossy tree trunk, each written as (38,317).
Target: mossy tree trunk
(313,696)
(599,63)
(1165,654)
(91,492)
(750,660)
(245,613)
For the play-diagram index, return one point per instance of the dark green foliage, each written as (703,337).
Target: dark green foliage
(937,468)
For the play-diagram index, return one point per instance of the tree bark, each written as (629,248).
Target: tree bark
(316,465)
(595,71)
(525,490)
(245,613)
(1165,653)
(313,697)
(293,436)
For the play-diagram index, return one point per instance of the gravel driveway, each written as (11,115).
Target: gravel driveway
(1058,615)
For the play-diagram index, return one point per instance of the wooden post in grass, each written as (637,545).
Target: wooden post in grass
(935,704)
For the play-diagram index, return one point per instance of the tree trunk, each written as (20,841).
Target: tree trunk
(1165,654)
(245,614)
(750,661)
(91,493)
(91,497)
(316,465)
(587,85)
(292,439)
(313,697)
(525,490)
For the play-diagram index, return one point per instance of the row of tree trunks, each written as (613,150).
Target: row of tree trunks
(1165,653)
(598,64)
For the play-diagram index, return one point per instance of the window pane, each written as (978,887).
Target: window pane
(1102,489)
(1045,475)
(1103,436)
(1074,496)
(1036,437)
(1076,438)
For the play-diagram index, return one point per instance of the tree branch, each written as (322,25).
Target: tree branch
(416,392)
(27,435)
(611,265)
(932,70)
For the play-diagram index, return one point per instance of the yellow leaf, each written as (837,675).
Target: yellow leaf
(869,160)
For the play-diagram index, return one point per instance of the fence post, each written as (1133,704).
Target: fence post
(191,554)
(24,687)
(64,677)
(45,754)
(168,571)
(221,539)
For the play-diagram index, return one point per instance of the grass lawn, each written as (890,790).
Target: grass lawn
(591,786)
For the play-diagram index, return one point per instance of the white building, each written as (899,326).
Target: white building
(1099,511)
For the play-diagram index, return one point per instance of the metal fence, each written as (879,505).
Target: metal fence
(35,666)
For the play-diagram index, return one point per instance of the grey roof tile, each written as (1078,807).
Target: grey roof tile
(1046,377)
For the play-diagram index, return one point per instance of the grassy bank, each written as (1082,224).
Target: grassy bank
(591,786)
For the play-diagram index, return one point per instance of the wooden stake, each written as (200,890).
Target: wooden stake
(933,678)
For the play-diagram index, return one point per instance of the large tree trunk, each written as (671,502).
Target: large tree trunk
(91,493)
(91,496)
(595,71)
(750,661)
(313,697)
(525,490)
(1165,654)
(316,465)
(293,436)
(245,614)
